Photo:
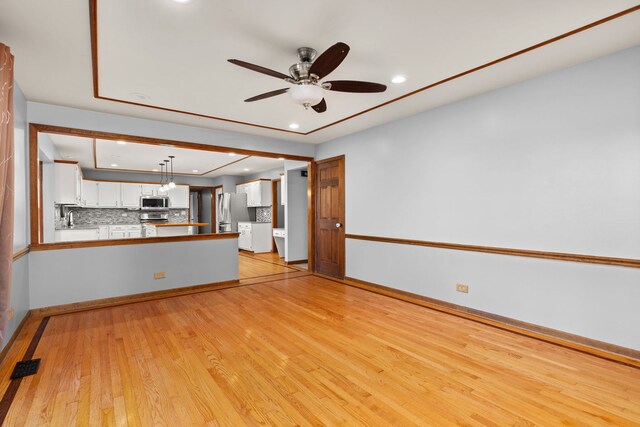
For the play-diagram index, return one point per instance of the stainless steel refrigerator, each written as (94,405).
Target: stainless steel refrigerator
(231,209)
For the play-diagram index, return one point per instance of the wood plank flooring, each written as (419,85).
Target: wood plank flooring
(273,258)
(309,351)
(252,267)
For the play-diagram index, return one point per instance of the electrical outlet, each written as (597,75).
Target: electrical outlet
(11,313)
(159,275)
(461,287)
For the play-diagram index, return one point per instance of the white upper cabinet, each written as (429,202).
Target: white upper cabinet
(130,195)
(89,193)
(108,194)
(179,197)
(150,190)
(258,193)
(68,184)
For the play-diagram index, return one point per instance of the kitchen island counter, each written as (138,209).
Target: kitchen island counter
(179,224)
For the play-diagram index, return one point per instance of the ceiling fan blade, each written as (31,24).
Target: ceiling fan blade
(259,69)
(355,86)
(320,107)
(266,95)
(329,60)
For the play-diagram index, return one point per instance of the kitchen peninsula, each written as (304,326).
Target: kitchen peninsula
(176,228)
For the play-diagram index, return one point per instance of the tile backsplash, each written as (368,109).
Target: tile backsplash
(111,216)
(263,214)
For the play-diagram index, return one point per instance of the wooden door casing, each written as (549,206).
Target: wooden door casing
(330,212)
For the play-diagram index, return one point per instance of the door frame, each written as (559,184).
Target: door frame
(199,188)
(313,206)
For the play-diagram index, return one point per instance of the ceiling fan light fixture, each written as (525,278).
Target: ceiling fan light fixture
(306,94)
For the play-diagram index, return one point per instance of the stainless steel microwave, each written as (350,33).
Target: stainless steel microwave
(154,203)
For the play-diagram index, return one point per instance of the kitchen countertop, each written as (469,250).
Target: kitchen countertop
(180,224)
(90,226)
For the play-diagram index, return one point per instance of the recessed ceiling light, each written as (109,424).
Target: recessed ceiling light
(247,169)
(141,96)
(114,165)
(195,170)
(122,142)
(69,157)
(182,1)
(280,158)
(232,154)
(398,79)
(294,126)
(154,170)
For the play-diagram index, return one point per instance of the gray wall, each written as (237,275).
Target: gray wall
(296,218)
(206,211)
(93,120)
(21,171)
(270,174)
(19,297)
(73,275)
(547,164)
(146,177)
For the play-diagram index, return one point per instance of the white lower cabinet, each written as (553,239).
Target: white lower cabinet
(125,231)
(75,235)
(255,236)
(103,232)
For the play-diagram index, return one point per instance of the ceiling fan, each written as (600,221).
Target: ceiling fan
(306,74)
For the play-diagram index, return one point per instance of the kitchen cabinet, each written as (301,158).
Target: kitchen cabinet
(130,195)
(125,231)
(89,193)
(255,236)
(103,232)
(150,190)
(76,235)
(108,194)
(179,197)
(68,184)
(258,192)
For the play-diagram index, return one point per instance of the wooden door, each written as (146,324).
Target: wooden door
(330,215)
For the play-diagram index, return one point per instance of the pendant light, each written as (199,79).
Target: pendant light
(165,186)
(172,183)
(162,188)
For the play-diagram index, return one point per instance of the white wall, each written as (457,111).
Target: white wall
(72,275)
(105,122)
(548,164)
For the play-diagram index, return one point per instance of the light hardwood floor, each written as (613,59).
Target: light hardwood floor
(273,258)
(309,351)
(254,267)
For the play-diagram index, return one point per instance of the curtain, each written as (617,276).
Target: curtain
(6,184)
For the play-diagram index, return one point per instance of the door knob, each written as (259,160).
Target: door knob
(338,225)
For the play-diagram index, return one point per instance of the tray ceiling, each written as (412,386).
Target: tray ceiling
(172,56)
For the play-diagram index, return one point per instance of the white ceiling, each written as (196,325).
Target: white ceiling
(144,158)
(176,54)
